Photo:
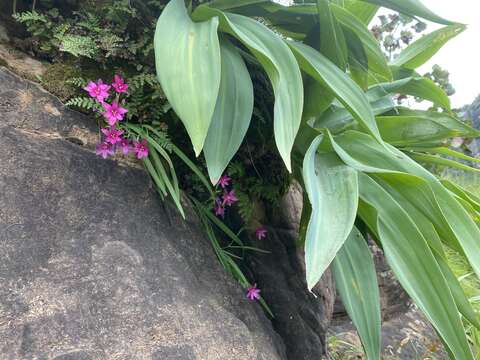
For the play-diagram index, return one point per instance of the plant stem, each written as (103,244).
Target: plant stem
(14,10)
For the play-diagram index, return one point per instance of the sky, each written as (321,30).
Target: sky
(461,55)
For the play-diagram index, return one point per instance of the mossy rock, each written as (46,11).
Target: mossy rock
(56,77)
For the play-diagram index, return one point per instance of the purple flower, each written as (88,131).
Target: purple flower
(224,181)
(112,135)
(140,148)
(104,150)
(229,198)
(253,293)
(219,208)
(113,112)
(97,90)
(261,233)
(119,85)
(125,146)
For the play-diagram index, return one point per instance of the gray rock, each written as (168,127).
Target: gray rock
(93,265)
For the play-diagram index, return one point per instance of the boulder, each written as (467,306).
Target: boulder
(94,265)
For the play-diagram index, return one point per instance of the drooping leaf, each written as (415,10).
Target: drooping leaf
(280,66)
(332,189)
(232,114)
(377,62)
(437,160)
(415,266)
(445,151)
(340,85)
(187,57)
(422,50)
(356,282)
(413,8)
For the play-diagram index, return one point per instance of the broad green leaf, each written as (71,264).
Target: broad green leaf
(232,4)
(415,266)
(420,87)
(357,59)
(356,282)
(377,62)
(281,68)
(332,189)
(331,36)
(232,114)
(341,86)
(187,57)
(362,11)
(423,189)
(413,8)
(337,119)
(412,130)
(445,151)
(422,50)
(462,193)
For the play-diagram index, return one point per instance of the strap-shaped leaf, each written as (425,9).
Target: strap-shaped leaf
(377,62)
(187,57)
(362,11)
(232,114)
(356,281)
(332,189)
(420,87)
(280,66)
(422,189)
(415,266)
(341,86)
(413,8)
(422,50)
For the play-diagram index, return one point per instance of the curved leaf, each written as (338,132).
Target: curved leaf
(281,68)
(411,8)
(187,57)
(232,114)
(415,267)
(420,51)
(341,86)
(332,189)
(356,281)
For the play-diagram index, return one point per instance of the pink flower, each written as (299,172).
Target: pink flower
(119,85)
(140,148)
(112,135)
(125,146)
(104,149)
(261,233)
(229,198)
(224,181)
(97,90)
(253,293)
(219,208)
(113,112)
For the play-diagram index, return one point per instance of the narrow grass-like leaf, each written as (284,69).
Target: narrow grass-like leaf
(356,282)
(332,189)
(232,114)
(187,57)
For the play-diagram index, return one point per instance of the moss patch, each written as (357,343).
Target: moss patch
(55,80)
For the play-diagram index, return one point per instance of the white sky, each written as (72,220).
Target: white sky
(460,56)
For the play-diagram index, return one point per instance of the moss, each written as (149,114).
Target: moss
(55,80)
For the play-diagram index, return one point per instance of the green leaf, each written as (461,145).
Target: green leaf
(187,57)
(445,151)
(281,68)
(377,62)
(422,50)
(232,114)
(437,160)
(364,12)
(356,282)
(415,266)
(341,86)
(332,41)
(420,87)
(332,189)
(411,8)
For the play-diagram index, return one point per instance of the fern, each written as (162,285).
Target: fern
(77,81)
(83,102)
(78,45)
(29,17)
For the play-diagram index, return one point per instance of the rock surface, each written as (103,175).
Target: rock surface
(93,265)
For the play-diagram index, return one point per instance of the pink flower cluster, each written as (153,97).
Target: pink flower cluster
(114,113)
(227,198)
